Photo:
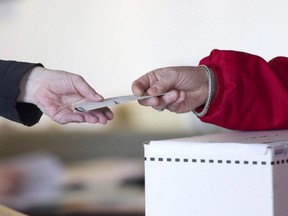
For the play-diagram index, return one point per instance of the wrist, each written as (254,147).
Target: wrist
(29,85)
(211,91)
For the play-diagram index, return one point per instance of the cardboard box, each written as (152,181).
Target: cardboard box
(226,174)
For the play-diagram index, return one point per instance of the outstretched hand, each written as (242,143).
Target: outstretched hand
(186,87)
(56,92)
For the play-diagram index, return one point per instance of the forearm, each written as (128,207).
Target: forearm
(252,93)
(11,73)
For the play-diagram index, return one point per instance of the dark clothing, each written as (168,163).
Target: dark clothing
(10,76)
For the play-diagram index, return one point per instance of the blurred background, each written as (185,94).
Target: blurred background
(95,169)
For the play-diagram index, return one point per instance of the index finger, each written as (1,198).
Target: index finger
(142,84)
(137,88)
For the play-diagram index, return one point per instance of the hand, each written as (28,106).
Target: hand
(187,88)
(56,93)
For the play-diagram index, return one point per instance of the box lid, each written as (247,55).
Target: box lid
(230,143)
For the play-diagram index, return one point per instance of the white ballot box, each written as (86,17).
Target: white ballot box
(226,174)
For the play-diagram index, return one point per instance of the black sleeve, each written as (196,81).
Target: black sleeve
(10,76)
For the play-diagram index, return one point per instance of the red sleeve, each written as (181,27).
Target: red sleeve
(252,94)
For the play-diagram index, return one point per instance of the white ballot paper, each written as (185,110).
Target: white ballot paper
(86,106)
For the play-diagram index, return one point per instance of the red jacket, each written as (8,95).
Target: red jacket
(252,94)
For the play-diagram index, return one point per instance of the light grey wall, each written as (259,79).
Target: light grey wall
(113,42)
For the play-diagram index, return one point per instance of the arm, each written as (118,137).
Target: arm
(11,73)
(252,94)
(38,90)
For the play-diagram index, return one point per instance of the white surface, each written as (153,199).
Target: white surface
(188,181)
(236,143)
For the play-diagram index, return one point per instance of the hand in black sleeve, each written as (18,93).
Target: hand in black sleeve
(11,73)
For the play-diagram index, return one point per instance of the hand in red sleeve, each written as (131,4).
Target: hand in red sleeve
(186,87)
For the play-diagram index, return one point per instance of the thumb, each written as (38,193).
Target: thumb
(161,86)
(86,90)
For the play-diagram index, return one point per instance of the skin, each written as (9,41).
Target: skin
(186,87)
(56,92)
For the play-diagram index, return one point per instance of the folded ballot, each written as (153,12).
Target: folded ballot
(86,106)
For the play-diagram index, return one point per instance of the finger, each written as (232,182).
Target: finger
(178,105)
(167,99)
(85,89)
(164,80)
(146,83)
(153,101)
(170,97)
(102,119)
(109,114)
(103,115)
(162,86)
(160,101)
(137,88)
(91,118)
(143,83)
(69,118)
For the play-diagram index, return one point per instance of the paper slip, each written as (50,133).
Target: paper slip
(86,106)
